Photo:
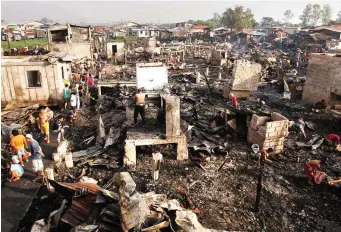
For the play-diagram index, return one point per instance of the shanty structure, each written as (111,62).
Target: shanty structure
(73,39)
(26,81)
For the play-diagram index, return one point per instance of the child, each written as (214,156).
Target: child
(16,169)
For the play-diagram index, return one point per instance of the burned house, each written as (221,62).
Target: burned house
(115,51)
(26,82)
(75,40)
(323,79)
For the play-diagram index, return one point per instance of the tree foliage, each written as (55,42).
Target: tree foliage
(267,21)
(316,14)
(212,23)
(338,19)
(45,20)
(306,16)
(326,14)
(288,15)
(238,18)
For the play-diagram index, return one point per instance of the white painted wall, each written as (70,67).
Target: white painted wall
(15,84)
(120,48)
(78,50)
(151,76)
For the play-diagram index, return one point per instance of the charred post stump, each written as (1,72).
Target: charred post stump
(259,184)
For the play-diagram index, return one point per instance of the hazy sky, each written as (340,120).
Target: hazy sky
(146,11)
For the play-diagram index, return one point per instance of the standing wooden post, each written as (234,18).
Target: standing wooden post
(157,158)
(259,184)
(207,70)
(197,81)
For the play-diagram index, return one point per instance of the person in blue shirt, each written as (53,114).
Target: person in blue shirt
(16,169)
(36,155)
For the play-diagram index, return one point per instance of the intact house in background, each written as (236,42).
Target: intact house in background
(323,79)
(27,82)
(75,40)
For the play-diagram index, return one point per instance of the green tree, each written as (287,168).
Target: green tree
(326,14)
(288,15)
(237,18)
(338,19)
(307,14)
(316,14)
(267,21)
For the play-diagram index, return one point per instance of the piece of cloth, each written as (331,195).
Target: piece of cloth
(20,152)
(139,110)
(66,93)
(35,148)
(37,165)
(334,138)
(17,142)
(73,100)
(139,98)
(91,81)
(319,177)
(45,128)
(18,168)
(234,102)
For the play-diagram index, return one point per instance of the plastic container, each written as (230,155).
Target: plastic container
(255,148)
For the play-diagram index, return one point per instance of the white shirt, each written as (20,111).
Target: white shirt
(73,100)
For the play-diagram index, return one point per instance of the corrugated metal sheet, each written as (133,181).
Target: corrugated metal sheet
(79,210)
(93,188)
(320,36)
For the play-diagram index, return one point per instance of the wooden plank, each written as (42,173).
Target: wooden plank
(23,83)
(50,82)
(172,112)
(144,142)
(16,83)
(5,86)
(10,80)
(58,81)
(45,90)
(32,94)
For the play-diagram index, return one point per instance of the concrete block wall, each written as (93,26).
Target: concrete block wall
(245,75)
(323,77)
(267,133)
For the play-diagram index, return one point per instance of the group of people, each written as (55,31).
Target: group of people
(19,145)
(75,91)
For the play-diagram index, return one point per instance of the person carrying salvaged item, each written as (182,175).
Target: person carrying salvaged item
(18,144)
(66,92)
(16,170)
(310,169)
(264,154)
(36,155)
(234,100)
(58,127)
(139,106)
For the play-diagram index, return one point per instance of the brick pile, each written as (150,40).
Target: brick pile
(268,132)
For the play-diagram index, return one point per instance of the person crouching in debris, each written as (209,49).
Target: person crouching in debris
(18,144)
(310,169)
(71,115)
(58,127)
(16,169)
(234,100)
(139,106)
(36,155)
(333,140)
(264,154)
